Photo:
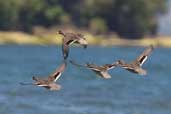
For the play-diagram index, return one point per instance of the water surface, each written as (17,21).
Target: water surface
(82,91)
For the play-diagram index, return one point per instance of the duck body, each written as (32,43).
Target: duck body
(136,65)
(46,84)
(69,39)
(50,81)
(101,71)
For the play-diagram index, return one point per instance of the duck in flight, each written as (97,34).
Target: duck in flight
(70,38)
(101,71)
(49,82)
(136,65)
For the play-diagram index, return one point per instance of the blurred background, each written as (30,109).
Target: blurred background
(97,19)
(30,46)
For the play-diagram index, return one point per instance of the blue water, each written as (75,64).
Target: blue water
(82,91)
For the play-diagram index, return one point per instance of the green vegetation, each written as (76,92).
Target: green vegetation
(127,18)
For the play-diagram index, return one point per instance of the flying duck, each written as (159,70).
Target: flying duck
(101,71)
(49,82)
(136,65)
(70,38)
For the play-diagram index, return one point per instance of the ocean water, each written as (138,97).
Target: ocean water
(82,91)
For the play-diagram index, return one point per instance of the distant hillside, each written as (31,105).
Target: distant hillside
(21,38)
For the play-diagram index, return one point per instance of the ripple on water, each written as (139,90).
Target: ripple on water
(82,91)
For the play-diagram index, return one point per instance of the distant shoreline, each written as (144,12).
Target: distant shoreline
(20,38)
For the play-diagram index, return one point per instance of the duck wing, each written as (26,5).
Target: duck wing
(65,50)
(144,55)
(55,76)
(65,45)
(109,66)
(89,66)
(95,67)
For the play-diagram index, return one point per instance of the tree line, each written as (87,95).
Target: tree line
(128,18)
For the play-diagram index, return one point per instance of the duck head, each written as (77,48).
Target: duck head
(61,32)
(82,40)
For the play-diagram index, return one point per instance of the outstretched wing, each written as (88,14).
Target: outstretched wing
(65,50)
(70,42)
(65,46)
(89,66)
(55,76)
(94,67)
(143,57)
(110,66)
